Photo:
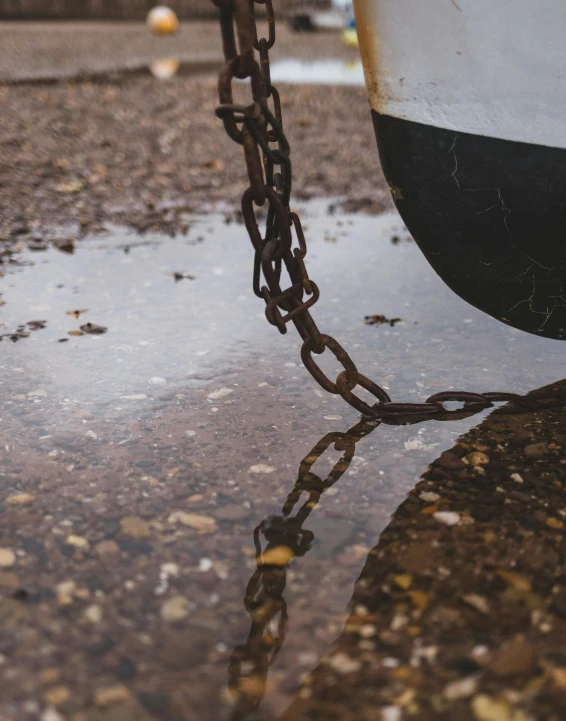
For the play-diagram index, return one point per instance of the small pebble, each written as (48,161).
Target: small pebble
(204,524)
(111,695)
(93,614)
(391,713)
(19,499)
(135,527)
(175,609)
(429,496)
(7,558)
(157,381)
(477,459)
(343,664)
(51,714)
(449,518)
(78,542)
(57,696)
(479,603)
(261,468)
(462,688)
(220,393)
(535,450)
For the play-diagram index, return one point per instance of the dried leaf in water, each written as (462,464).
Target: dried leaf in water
(93,329)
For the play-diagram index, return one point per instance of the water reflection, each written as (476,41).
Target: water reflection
(442,606)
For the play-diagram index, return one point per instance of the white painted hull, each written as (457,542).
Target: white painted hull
(490,67)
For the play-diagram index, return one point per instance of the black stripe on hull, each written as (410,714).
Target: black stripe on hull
(489,215)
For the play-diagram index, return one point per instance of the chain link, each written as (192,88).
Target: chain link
(268,163)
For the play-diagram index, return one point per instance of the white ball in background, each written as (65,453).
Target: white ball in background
(162,21)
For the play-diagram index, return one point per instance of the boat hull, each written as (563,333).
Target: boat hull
(468,100)
(489,215)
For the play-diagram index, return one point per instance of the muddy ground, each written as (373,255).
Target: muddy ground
(142,151)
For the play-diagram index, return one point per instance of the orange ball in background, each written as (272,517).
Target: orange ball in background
(162,21)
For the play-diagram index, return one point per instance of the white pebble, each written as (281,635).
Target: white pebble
(343,664)
(461,688)
(219,393)
(517,477)
(429,496)
(261,468)
(391,713)
(449,518)
(190,434)
(50,714)
(205,564)
(157,381)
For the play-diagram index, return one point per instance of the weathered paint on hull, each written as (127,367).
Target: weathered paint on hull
(468,111)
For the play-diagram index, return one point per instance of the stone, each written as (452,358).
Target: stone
(516,658)
(220,393)
(343,664)
(50,675)
(449,518)
(77,542)
(403,580)
(429,496)
(261,468)
(535,450)
(107,548)
(478,603)
(554,523)
(450,461)
(93,614)
(486,708)
(7,558)
(515,579)
(91,434)
(111,695)
(477,459)
(461,688)
(157,381)
(9,580)
(203,524)
(135,527)
(175,609)
(19,499)
(51,714)
(57,696)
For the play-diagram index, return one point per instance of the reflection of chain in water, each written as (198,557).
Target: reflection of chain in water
(286,539)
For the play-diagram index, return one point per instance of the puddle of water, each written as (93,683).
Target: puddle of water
(319,72)
(146,457)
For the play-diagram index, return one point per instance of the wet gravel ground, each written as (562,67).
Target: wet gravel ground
(142,151)
(137,463)
(427,582)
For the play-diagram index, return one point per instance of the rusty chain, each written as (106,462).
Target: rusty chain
(259,130)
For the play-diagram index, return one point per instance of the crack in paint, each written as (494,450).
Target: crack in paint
(455,162)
